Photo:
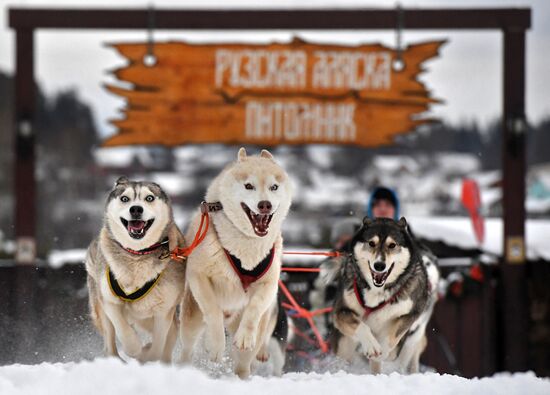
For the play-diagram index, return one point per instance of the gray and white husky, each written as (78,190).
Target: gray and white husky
(132,282)
(386,296)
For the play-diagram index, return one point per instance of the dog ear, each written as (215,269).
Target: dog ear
(367,221)
(242,154)
(402,222)
(122,181)
(266,154)
(157,189)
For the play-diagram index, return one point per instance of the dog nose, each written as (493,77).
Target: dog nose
(379,266)
(136,211)
(264,206)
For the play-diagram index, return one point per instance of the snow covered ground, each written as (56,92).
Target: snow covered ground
(109,376)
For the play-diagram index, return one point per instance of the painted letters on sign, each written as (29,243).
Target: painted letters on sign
(294,93)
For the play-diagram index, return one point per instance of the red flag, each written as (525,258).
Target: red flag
(472,201)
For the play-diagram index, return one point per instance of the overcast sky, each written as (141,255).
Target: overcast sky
(467,76)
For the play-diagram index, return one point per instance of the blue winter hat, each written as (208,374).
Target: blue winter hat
(383,193)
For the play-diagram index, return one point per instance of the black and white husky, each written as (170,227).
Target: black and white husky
(385,298)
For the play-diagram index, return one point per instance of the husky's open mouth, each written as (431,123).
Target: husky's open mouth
(137,228)
(379,279)
(260,222)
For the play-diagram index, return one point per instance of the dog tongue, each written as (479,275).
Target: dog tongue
(378,277)
(136,225)
(261,222)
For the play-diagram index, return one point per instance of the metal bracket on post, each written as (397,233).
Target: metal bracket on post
(517,125)
(150,59)
(517,128)
(398,64)
(24,128)
(25,252)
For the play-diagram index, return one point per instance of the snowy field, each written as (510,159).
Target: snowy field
(109,376)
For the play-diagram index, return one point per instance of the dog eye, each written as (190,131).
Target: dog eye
(249,186)
(149,198)
(391,246)
(274,187)
(124,199)
(372,244)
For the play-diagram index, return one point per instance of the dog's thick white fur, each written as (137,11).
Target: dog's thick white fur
(214,298)
(155,312)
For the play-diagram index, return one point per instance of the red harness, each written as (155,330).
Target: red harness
(148,250)
(370,310)
(247,277)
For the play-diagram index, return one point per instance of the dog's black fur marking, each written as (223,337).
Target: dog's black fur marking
(281,328)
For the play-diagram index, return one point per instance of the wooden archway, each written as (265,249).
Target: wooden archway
(513,23)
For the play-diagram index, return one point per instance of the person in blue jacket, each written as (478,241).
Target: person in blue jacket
(383,203)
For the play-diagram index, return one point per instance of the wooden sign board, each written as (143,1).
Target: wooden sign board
(295,93)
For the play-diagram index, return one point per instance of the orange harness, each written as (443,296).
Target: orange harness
(181,254)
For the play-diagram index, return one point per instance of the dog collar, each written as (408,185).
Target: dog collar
(210,207)
(148,250)
(247,277)
(370,310)
(117,290)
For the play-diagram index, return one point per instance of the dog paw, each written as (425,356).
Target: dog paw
(372,349)
(215,349)
(243,372)
(133,350)
(147,347)
(214,342)
(185,357)
(147,354)
(215,355)
(244,340)
(263,355)
(378,357)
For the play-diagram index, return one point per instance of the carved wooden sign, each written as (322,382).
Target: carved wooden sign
(295,93)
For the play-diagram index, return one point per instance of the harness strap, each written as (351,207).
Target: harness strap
(117,290)
(369,310)
(247,277)
(333,254)
(146,251)
(181,254)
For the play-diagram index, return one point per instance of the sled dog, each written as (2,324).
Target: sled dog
(132,281)
(232,276)
(385,298)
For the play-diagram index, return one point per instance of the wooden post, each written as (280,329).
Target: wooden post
(25,185)
(514,278)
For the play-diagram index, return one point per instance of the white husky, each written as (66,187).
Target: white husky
(232,276)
